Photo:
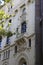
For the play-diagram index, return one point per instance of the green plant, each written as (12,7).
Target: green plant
(2,31)
(1,14)
(6,16)
(7,1)
(9,34)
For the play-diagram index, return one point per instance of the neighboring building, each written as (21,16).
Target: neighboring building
(39,31)
(19,49)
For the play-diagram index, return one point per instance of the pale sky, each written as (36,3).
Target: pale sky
(2,2)
(16,1)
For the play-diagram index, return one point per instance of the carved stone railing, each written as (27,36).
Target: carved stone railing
(21,35)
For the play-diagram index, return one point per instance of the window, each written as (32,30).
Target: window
(24,63)
(23,27)
(24,10)
(29,42)
(10,21)
(41,27)
(11,6)
(15,49)
(8,9)
(29,0)
(16,11)
(0,40)
(7,42)
(6,54)
(17,32)
(0,56)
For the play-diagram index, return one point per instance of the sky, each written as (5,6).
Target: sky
(1,2)
(16,1)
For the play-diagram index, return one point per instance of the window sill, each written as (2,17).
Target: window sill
(6,45)
(5,59)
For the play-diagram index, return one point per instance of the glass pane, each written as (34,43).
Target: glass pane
(23,27)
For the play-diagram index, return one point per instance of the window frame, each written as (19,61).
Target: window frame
(30,42)
(16,49)
(23,30)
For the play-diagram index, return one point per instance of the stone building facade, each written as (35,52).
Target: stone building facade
(20,50)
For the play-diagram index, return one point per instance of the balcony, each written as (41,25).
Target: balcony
(6,45)
(20,35)
(20,38)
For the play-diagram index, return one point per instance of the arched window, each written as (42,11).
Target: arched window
(22,62)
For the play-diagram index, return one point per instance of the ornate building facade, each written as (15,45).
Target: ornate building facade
(18,49)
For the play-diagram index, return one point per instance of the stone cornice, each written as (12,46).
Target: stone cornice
(9,46)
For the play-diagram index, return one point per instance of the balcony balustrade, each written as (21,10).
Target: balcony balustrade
(20,35)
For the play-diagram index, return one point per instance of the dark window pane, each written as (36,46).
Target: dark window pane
(0,43)
(0,56)
(29,42)
(23,27)
(10,21)
(4,56)
(15,49)
(0,40)
(7,41)
(24,9)
(24,63)
(11,6)
(8,53)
